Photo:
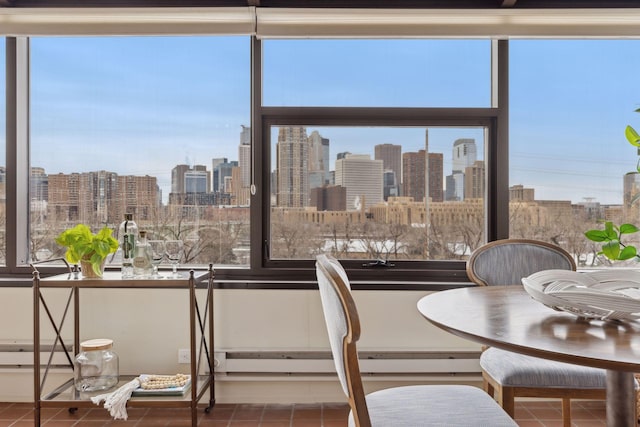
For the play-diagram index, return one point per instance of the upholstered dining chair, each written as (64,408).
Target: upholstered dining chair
(425,405)
(509,375)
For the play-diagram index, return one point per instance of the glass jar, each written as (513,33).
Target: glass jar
(96,366)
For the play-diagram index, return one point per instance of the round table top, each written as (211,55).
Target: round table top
(507,317)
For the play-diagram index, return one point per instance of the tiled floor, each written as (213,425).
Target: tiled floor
(528,414)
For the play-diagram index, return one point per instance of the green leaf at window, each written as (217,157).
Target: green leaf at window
(596,235)
(610,231)
(611,249)
(632,136)
(627,253)
(628,229)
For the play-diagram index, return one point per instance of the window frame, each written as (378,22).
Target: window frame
(283,274)
(426,274)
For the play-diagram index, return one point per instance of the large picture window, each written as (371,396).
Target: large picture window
(154,126)
(571,167)
(391,193)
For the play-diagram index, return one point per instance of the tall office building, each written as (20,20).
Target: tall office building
(464,155)
(436,176)
(391,156)
(196,181)
(390,187)
(38,184)
(177,178)
(215,163)
(329,198)
(474,181)
(101,196)
(362,177)
(413,166)
(413,174)
(319,173)
(222,169)
(187,179)
(244,157)
(292,166)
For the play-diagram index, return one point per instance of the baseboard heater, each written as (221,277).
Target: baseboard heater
(19,355)
(238,364)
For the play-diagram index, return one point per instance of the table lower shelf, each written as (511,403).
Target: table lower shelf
(66,395)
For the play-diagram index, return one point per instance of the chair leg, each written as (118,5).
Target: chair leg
(487,387)
(506,399)
(566,412)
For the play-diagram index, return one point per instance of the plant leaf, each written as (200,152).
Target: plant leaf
(610,231)
(632,136)
(596,235)
(627,253)
(628,229)
(611,249)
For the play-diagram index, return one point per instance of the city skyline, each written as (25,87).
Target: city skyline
(159,101)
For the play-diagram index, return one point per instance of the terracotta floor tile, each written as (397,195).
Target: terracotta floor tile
(55,423)
(528,414)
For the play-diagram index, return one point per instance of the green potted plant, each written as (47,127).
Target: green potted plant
(611,236)
(87,248)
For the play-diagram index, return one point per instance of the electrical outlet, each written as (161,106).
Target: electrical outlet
(184,355)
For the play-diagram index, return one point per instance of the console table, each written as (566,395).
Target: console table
(200,340)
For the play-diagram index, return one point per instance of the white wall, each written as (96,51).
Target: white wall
(149,326)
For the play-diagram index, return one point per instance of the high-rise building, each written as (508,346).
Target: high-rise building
(196,181)
(292,166)
(413,175)
(101,197)
(38,184)
(391,156)
(436,175)
(244,157)
(177,178)
(390,187)
(221,172)
(474,181)
(318,160)
(217,180)
(464,155)
(362,177)
(187,179)
(329,198)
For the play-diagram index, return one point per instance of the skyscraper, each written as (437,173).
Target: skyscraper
(318,160)
(187,179)
(244,157)
(391,156)
(362,177)
(436,176)
(413,175)
(464,155)
(474,181)
(292,166)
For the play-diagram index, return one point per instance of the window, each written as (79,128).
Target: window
(359,192)
(570,164)
(377,73)
(352,144)
(153,126)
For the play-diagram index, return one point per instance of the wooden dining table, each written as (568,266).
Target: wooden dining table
(507,317)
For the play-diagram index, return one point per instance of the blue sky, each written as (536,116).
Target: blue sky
(142,105)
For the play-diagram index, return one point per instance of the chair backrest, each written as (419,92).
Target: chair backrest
(506,262)
(343,325)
